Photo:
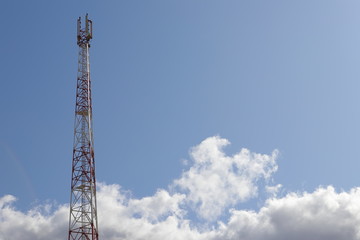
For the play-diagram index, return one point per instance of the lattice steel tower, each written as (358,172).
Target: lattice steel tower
(83,214)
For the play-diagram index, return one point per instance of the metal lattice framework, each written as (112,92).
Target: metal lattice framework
(83,214)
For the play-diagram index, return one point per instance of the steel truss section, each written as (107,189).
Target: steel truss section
(83,223)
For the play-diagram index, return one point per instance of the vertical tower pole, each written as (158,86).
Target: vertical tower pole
(83,223)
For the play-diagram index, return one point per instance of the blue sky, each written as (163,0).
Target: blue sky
(167,75)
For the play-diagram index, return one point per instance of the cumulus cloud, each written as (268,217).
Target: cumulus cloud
(321,215)
(155,217)
(216,181)
(35,224)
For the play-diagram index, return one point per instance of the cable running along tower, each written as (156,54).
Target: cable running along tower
(83,214)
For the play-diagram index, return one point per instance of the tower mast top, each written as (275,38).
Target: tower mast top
(84,35)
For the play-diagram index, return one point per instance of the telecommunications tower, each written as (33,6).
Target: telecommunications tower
(83,214)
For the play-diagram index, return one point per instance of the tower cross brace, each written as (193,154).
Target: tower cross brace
(83,224)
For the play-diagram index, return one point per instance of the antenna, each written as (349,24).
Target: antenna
(84,35)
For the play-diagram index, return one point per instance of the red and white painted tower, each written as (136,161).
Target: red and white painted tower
(83,223)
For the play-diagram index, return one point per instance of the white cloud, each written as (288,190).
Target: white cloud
(160,205)
(150,218)
(216,181)
(273,190)
(321,215)
(33,225)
